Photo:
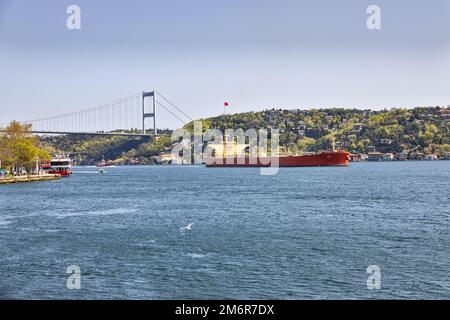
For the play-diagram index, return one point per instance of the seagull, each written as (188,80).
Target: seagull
(188,227)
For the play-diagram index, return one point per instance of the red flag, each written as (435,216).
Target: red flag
(225,104)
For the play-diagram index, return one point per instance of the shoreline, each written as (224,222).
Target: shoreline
(31,178)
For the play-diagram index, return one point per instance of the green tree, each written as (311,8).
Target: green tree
(18,148)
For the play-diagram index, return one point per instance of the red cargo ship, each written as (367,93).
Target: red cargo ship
(330,158)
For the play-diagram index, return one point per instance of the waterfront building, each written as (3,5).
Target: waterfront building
(430,157)
(375,156)
(402,156)
(388,157)
(355,157)
(416,156)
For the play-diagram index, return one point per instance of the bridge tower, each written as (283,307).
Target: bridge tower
(149,114)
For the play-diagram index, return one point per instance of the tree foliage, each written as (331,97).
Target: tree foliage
(356,130)
(397,130)
(19,148)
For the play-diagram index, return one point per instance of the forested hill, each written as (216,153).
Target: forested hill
(397,130)
(89,150)
(425,130)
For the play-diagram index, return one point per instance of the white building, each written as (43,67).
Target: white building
(388,157)
(402,156)
(364,157)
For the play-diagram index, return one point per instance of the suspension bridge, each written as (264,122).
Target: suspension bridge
(128,116)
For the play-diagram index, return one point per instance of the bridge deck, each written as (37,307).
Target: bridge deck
(93,133)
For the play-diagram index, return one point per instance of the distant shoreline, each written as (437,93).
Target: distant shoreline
(199,165)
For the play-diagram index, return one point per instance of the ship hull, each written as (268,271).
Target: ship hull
(61,173)
(324,159)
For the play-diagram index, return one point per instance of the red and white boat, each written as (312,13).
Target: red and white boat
(60,165)
(104,163)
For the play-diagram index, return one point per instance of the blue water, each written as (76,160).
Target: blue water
(306,233)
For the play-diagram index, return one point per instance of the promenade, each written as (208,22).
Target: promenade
(30,178)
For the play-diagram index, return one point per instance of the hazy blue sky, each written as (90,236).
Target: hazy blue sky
(255,54)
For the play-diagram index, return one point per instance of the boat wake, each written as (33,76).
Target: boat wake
(117,211)
(196,255)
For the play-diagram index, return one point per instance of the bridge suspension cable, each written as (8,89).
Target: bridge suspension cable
(173,114)
(118,115)
(122,116)
(173,105)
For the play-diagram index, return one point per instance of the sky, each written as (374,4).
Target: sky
(254,54)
